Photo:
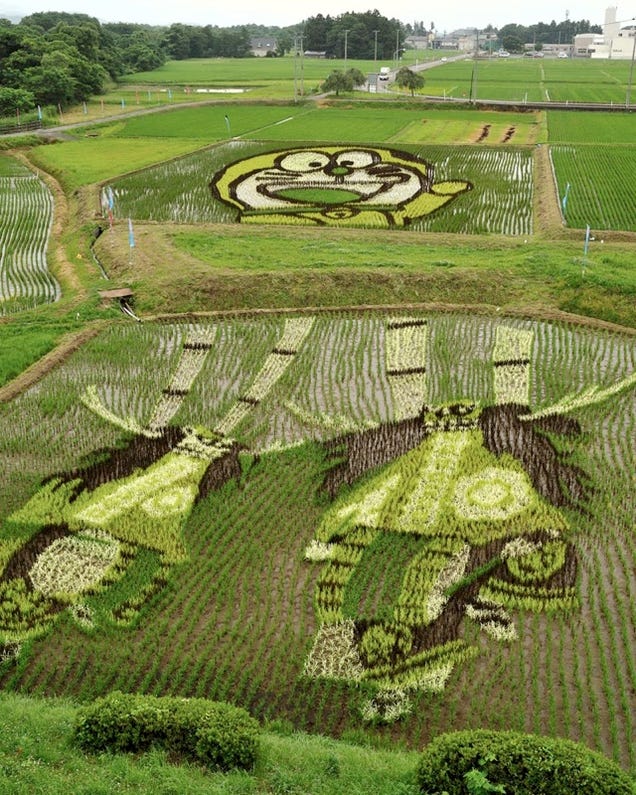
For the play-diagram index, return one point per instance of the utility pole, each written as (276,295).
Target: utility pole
(375,46)
(473,79)
(345,51)
(298,67)
(628,99)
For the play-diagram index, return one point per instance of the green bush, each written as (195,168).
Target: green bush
(524,764)
(219,735)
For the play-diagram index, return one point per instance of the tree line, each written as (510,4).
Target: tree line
(57,58)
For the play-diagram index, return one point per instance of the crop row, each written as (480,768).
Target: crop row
(26,215)
(598,177)
(500,199)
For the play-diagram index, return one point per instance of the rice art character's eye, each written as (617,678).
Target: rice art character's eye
(356,159)
(304,161)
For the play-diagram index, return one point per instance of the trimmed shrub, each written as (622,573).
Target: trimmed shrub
(525,764)
(219,735)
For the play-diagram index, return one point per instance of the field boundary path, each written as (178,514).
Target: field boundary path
(48,362)
(75,340)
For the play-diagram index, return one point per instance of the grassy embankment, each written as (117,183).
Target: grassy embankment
(37,756)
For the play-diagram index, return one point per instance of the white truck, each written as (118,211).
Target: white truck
(384,73)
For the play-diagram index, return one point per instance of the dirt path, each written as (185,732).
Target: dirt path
(547,210)
(39,369)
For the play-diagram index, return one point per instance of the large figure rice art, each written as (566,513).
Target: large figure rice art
(464,500)
(467,500)
(334,186)
(83,530)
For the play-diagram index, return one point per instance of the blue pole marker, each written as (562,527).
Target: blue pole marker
(564,200)
(587,241)
(131,236)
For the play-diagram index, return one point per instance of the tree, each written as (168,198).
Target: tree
(51,85)
(407,78)
(343,81)
(15,99)
(356,77)
(512,44)
(284,43)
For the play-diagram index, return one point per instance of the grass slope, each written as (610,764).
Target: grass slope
(279,268)
(37,756)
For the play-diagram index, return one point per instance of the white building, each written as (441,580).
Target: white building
(615,42)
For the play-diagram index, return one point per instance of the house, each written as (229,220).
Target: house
(262,45)
(420,42)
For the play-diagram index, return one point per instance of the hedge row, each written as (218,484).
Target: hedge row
(524,764)
(218,735)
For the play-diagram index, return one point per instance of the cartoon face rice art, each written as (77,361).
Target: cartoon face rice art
(334,186)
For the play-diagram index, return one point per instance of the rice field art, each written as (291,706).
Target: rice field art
(437,188)
(334,186)
(26,216)
(406,522)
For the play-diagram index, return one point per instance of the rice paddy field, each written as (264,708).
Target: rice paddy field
(493,152)
(26,214)
(376,522)
(514,79)
(221,562)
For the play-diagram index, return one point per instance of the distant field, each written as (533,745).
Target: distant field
(249,71)
(527,79)
(514,79)
(591,127)
(352,123)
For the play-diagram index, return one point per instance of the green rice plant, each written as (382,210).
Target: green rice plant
(591,128)
(598,177)
(27,206)
(236,619)
(76,163)
(500,200)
